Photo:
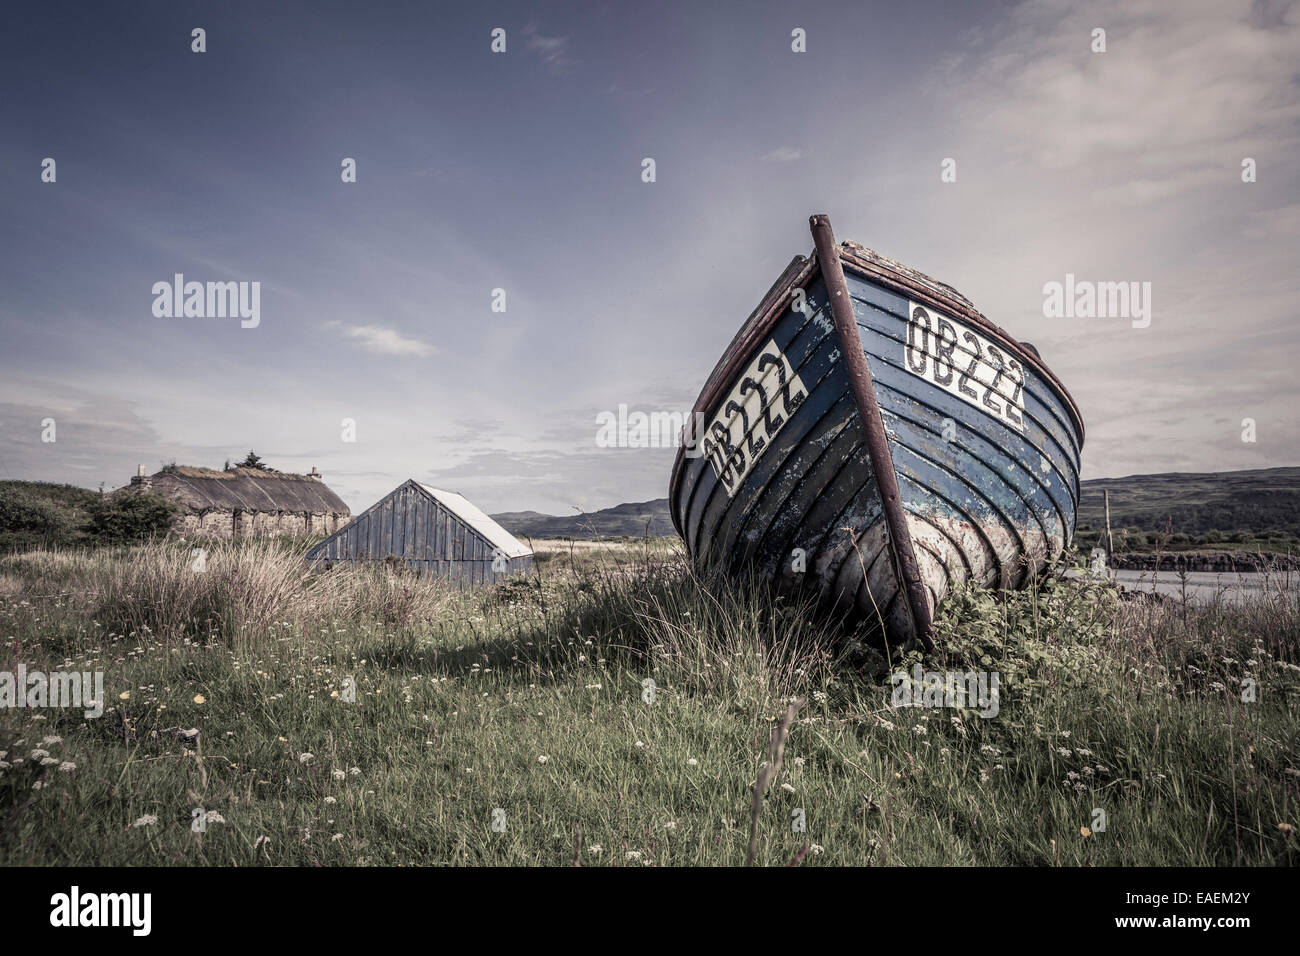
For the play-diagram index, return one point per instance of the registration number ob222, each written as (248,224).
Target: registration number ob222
(963,363)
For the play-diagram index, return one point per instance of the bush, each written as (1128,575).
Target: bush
(23,512)
(125,517)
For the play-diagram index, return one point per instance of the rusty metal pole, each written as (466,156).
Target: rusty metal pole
(882,460)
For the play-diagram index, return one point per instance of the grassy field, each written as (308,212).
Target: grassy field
(515,726)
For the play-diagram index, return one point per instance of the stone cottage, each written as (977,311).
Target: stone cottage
(247,502)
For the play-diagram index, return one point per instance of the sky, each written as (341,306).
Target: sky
(523,171)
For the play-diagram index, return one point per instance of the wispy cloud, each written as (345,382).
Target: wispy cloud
(784,154)
(553,51)
(381,340)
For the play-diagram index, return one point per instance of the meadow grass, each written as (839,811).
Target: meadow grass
(367,716)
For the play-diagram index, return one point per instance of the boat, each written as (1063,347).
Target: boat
(872,440)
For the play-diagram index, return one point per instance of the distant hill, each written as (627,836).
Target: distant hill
(634,520)
(1203,507)
(1194,503)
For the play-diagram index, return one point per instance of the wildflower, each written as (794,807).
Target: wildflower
(212,816)
(67,766)
(670,825)
(336,837)
(200,699)
(787,788)
(38,753)
(1063,752)
(543,758)
(633,855)
(819,697)
(692,762)
(260,841)
(355,771)
(816,849)
(595,849)
(49,761)
(148,820)
(51,741)
(331,800)
(338,774)
(919,729)
(306,758)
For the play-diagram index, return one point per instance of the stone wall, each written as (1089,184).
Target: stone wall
(256,524)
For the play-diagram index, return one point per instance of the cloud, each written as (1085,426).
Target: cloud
(784,154)
(1180,93)
(383,341)
(551,50)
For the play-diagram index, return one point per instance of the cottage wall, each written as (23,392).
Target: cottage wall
(226,525)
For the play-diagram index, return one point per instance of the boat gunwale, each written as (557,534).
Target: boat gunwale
(876,268)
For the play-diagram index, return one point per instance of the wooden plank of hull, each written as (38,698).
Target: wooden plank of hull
(989,502)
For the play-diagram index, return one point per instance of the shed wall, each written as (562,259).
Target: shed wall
(427,537)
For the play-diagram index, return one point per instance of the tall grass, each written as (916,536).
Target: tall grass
(219,591)
(617,709)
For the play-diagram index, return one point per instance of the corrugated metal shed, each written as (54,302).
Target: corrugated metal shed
(431,531)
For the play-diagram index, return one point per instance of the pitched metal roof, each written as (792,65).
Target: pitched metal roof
(247,489)
(464,509)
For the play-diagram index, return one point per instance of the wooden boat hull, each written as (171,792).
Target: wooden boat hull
(948,453)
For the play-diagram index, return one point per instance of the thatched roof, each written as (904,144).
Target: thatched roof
(246,489)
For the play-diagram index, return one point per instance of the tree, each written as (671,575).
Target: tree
(254,461)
